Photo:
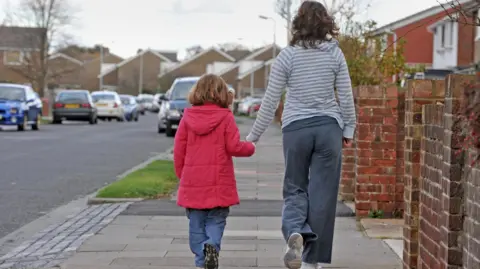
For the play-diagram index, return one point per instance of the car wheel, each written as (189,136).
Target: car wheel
(56,120)
(92,120)
(22,127)
(169,131)
(120,119)
(161,129)
(109,119)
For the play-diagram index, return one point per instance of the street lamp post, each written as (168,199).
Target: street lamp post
(101,65)
(274,50)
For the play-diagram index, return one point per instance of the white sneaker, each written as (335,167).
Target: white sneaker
(319,266)
(293,255)
(308,266)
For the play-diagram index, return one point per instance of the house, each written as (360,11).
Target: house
(249,76)
(196,65)
(20,50)
(138,73)
(473,11)
(88,65)
(432,38)
(64,71)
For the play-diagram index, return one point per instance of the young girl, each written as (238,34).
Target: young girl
(205,143)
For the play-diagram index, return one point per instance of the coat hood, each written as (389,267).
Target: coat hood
(202,120)
(327,45)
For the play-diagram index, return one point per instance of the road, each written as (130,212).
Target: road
(42,170)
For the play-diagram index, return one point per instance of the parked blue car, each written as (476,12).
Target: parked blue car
(130,106)
(20,106)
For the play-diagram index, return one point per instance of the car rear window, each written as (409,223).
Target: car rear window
(12,93)
(103,97)
(127,100)
(181,89)
(72,96)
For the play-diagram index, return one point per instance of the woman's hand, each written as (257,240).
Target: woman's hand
(347,142)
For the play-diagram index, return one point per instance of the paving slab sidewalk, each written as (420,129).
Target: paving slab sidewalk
(135,240)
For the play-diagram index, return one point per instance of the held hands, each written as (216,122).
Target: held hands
(347,142)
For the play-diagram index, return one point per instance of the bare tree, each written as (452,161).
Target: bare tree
(51,17)
(227,46)
(284,8)
(193,50)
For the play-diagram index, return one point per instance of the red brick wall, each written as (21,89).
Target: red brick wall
(418,93)
(349,156)
(376,138)
(441,197)
(347,182)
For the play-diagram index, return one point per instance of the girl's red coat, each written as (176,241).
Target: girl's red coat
(206,140)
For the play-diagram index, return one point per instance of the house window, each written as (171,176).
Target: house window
(11,57)
(442,33)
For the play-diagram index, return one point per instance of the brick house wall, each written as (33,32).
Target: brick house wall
(129,74)
(259,82)
(91,70)
(65,72)
(8,73)
(418,47)
(466,42)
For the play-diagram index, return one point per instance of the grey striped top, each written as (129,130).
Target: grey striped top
(310,75)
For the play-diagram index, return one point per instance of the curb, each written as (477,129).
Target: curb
(99,201)
(93,200)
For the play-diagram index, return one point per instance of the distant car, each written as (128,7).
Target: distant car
(109,106)
(130,107)
(174,103)
(157,101)
(246,104)
(141,106)
(147,101)
(19,106)
(254,110)
(76,105)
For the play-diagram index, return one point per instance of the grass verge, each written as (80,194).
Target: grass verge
(156,180)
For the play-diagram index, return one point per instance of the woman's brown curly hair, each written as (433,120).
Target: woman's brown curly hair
(209,89)
(312,25)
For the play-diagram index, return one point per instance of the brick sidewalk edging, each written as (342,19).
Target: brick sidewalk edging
(58,242)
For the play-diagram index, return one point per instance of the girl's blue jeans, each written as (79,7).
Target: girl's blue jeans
(206,227)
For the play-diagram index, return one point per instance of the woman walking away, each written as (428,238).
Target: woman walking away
(205,142)
(314,125)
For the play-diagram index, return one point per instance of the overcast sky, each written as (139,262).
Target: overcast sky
(127,25)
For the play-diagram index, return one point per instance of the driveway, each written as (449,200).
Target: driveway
(46,169)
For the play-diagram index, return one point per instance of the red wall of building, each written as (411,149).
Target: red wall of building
(418,48)
(466,42)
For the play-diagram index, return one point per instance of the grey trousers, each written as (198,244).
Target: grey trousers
(313,158)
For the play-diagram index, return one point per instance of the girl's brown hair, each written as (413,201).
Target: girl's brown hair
(209,89)
(312,25)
